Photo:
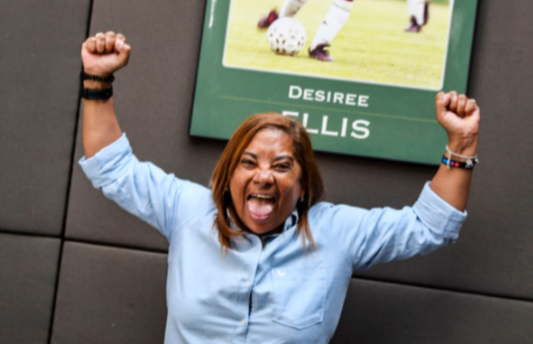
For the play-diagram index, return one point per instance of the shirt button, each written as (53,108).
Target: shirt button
(247,283)
(243,322)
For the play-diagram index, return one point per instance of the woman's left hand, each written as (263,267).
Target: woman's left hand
(459,116)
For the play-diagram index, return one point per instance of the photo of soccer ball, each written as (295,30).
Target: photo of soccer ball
(372,45)
(286,36)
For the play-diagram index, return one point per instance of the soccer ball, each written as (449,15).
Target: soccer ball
(286,36)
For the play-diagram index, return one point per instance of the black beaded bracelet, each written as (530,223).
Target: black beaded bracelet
(108,79)
(469,164)
(101,94)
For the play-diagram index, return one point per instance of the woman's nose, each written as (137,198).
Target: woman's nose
(264,176)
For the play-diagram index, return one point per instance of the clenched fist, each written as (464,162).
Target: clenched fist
(104,54)
(459,116)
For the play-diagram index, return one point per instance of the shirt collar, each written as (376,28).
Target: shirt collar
(292,220)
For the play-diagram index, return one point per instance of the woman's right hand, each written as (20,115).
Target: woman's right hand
(104,54)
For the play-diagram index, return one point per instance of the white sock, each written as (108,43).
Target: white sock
(416,8)
(337,16)
(291,7)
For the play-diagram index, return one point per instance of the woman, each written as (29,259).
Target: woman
(257,258)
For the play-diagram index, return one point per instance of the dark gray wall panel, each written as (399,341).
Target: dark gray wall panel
(377,313)
(39,65)
(153,99)
(110,295)
(28,267)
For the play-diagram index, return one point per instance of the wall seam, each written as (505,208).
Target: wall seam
(69,184)
(442,289)
(118,246)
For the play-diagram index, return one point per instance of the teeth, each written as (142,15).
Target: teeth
(262,196)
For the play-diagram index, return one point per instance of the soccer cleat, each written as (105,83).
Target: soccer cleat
(267,20)
(413,26)
(320,53)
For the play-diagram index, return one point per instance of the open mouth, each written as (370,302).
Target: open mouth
(260,206)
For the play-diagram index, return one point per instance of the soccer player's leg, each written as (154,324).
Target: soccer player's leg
(418,11)
(337,16)
(289,9)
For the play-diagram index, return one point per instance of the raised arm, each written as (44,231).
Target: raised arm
(141,188)
(459,116)
(102,55)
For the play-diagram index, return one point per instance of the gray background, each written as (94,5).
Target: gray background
(77,269)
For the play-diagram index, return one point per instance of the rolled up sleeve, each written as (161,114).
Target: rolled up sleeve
(438,215)
(106,166)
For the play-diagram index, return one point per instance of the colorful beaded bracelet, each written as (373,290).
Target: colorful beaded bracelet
(468,164)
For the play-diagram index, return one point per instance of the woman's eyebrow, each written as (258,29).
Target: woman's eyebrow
(282,157)
(279,157)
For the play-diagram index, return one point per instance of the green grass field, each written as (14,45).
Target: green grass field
(371,47)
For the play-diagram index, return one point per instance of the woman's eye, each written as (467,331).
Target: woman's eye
(282,167)
(246,162)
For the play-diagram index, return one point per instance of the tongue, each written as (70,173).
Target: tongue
(260,207)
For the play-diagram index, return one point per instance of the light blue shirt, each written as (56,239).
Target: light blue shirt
(270,290)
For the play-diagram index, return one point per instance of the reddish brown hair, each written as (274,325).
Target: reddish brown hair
(310,180)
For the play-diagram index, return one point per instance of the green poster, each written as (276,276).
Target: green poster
(375,97)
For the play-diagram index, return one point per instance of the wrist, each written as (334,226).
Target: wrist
(97,72)
(463,147)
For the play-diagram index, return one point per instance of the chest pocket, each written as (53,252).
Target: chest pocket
(298,296)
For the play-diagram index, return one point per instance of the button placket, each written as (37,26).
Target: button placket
(248,281)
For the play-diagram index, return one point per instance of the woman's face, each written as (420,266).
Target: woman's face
(265,186)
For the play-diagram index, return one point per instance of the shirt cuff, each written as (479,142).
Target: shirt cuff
(438,215)
(107,165)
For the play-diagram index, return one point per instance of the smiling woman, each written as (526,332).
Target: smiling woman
(260,181)
(264,210)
